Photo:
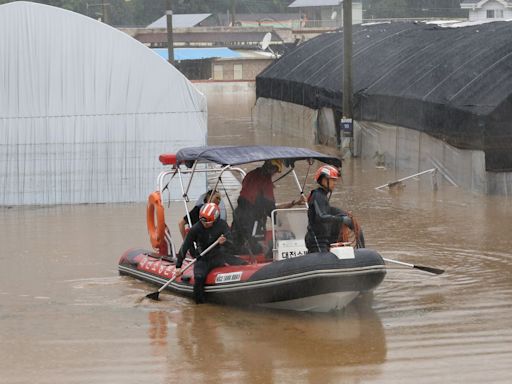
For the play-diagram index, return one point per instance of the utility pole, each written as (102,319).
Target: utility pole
(170,41)
(347,122)
(233,15)
(104,11)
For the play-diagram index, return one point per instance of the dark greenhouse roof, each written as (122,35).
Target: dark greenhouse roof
(454,83)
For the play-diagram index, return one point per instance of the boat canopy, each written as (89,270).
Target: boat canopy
(237,155)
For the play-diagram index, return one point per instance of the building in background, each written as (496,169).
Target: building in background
(234,38)
(219,64)
(186,21)
(217,53)
(268,20)
(488,9)
(325,13)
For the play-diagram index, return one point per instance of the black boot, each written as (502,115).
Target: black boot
(199,292)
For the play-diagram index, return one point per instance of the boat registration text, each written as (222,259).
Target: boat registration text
(228,277)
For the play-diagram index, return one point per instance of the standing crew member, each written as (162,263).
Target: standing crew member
(204,233)
(255,203)
(324,221)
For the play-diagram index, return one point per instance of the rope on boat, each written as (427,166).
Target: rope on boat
(348,235)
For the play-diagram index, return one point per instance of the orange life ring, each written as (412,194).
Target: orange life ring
(156,229)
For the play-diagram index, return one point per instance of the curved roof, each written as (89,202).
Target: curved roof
(84,108)
(455,83)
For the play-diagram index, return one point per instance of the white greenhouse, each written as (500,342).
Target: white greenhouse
(85,110)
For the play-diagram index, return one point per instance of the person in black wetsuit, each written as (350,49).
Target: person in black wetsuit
(324,221)
(205,232)
(210,197)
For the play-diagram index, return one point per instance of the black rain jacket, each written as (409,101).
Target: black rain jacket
(204,237)
(324,222)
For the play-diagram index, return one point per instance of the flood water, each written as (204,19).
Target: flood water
(67,317)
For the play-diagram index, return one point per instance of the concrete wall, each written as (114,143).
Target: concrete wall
(222,95)
(245,89)
(295,120)
(326,128)
(399,148)
(411,151)
(284,118)
(250,68)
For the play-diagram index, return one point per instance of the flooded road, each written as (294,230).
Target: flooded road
(67,317)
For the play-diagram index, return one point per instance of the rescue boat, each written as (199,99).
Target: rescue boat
(291,279)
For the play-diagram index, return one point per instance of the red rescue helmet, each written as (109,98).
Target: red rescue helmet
(327,171)
(209,212)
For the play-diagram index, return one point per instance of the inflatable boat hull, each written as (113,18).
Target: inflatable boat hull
(318,282)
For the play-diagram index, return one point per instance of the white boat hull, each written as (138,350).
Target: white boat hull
(327,302)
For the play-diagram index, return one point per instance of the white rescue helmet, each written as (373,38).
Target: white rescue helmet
(209,212)
(327,171)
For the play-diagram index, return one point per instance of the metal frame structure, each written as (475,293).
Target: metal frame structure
(163,183)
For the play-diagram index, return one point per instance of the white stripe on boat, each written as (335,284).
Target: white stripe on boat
(260,283)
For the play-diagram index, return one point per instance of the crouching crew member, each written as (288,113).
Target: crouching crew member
(205,232)
(324,221)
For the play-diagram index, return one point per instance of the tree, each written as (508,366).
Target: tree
(411,8)
(143,12)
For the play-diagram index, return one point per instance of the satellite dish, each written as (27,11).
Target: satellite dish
(266,40)
(333,15)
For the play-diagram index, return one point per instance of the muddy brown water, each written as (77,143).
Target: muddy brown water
(67,317)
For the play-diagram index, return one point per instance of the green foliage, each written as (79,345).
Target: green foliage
(412,8)
(143,12)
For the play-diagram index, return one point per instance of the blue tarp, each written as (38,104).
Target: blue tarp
(198,53)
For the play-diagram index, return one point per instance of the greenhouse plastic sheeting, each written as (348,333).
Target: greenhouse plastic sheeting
(85,110)
(453,83)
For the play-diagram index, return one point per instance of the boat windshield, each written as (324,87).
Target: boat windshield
(289,227)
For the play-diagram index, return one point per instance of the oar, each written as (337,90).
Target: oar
(154,295)
(435,271)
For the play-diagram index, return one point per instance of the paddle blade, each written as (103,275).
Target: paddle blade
(153,296)
(435,271)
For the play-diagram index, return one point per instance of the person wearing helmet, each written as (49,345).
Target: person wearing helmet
(255,203)
(323,220)
(209,197)
(216,198)
(205,232)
